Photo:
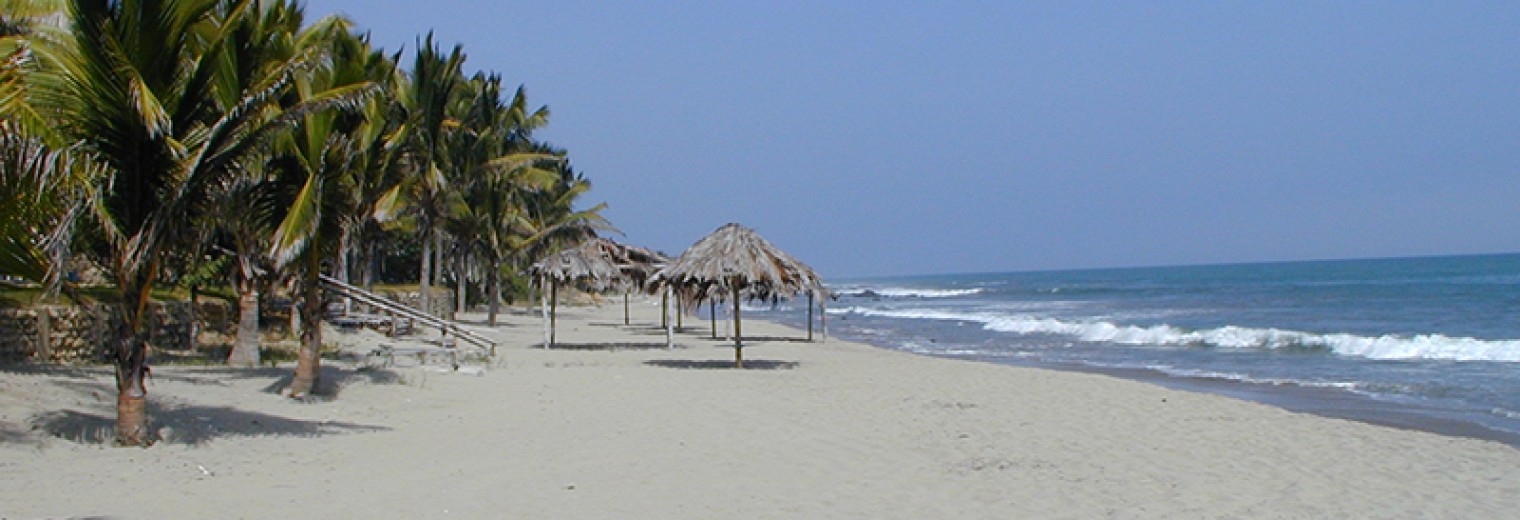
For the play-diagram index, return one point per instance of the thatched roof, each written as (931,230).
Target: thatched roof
(637,264)
(735,257)
(600,264)
(587,264)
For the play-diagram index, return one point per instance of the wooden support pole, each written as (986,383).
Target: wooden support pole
(712,314)
(543,307)
(810,317)
(625,308)
(553,308)
(823,318)
(738,334)
(665,308)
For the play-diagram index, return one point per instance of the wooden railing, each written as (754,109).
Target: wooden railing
(372,299)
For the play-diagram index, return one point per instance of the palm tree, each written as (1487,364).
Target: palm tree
(490,175)
(243,201)
(320,158)
(426,97)
(37,181)
(142,88)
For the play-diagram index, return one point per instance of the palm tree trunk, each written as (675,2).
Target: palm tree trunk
(245,352)
(461,283)
(425,277)
(132,361)
(493,291)
(308,358)
(438,259)
(293,288)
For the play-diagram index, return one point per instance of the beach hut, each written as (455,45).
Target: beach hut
(736,261)
(636,264)
(589,266)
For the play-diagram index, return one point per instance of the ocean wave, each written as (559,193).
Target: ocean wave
(905,292)
(1386,347)
(1195,373)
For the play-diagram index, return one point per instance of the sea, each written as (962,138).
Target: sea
(1429,343)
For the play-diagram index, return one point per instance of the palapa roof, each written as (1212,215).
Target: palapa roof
(586,264)
(600,264)
(733,257)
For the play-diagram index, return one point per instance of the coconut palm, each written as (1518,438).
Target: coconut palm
(142,86)
(492,152)
(37,181)
(426,97)
(320,158)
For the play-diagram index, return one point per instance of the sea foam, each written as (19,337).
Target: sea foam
(905,292)
(1386,347)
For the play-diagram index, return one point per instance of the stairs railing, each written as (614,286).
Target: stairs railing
(372,299)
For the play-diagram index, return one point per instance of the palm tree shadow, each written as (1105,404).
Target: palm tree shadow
(192,425)
(714,364)
(55,371)
(613,346)
(188,424)
(333,380)
(760,339)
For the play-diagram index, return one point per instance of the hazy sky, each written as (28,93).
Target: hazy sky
(884,137)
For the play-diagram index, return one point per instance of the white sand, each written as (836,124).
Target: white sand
(849,431)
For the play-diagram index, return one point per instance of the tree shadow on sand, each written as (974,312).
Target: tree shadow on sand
(613,346)
(193,425)
(759,339)
(334,379)
(178,423)
(715,364)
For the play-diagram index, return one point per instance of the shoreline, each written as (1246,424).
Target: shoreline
(1333,403)
(613,425)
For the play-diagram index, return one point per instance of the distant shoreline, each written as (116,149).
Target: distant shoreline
(1325,402)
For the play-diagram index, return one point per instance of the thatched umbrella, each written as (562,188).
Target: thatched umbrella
(735,260)
(588,265)
(636,264)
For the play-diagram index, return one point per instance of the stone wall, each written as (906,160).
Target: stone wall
(67,334)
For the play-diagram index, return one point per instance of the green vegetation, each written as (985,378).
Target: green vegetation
(236,148)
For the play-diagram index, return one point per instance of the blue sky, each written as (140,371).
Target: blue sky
(887,138)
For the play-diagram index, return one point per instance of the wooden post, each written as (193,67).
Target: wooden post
(738,334)
(625,307)
(665,308)
(712,313)
(543,307)
(823,318)
(810,317)
(678,310)
(553,307)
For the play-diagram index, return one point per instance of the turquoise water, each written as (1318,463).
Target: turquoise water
(1436,335)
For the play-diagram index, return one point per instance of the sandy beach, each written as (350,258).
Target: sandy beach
(613,425)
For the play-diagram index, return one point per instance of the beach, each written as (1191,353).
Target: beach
(613,425)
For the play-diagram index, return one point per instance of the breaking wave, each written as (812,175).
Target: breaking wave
(905,292)
(1386,347)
